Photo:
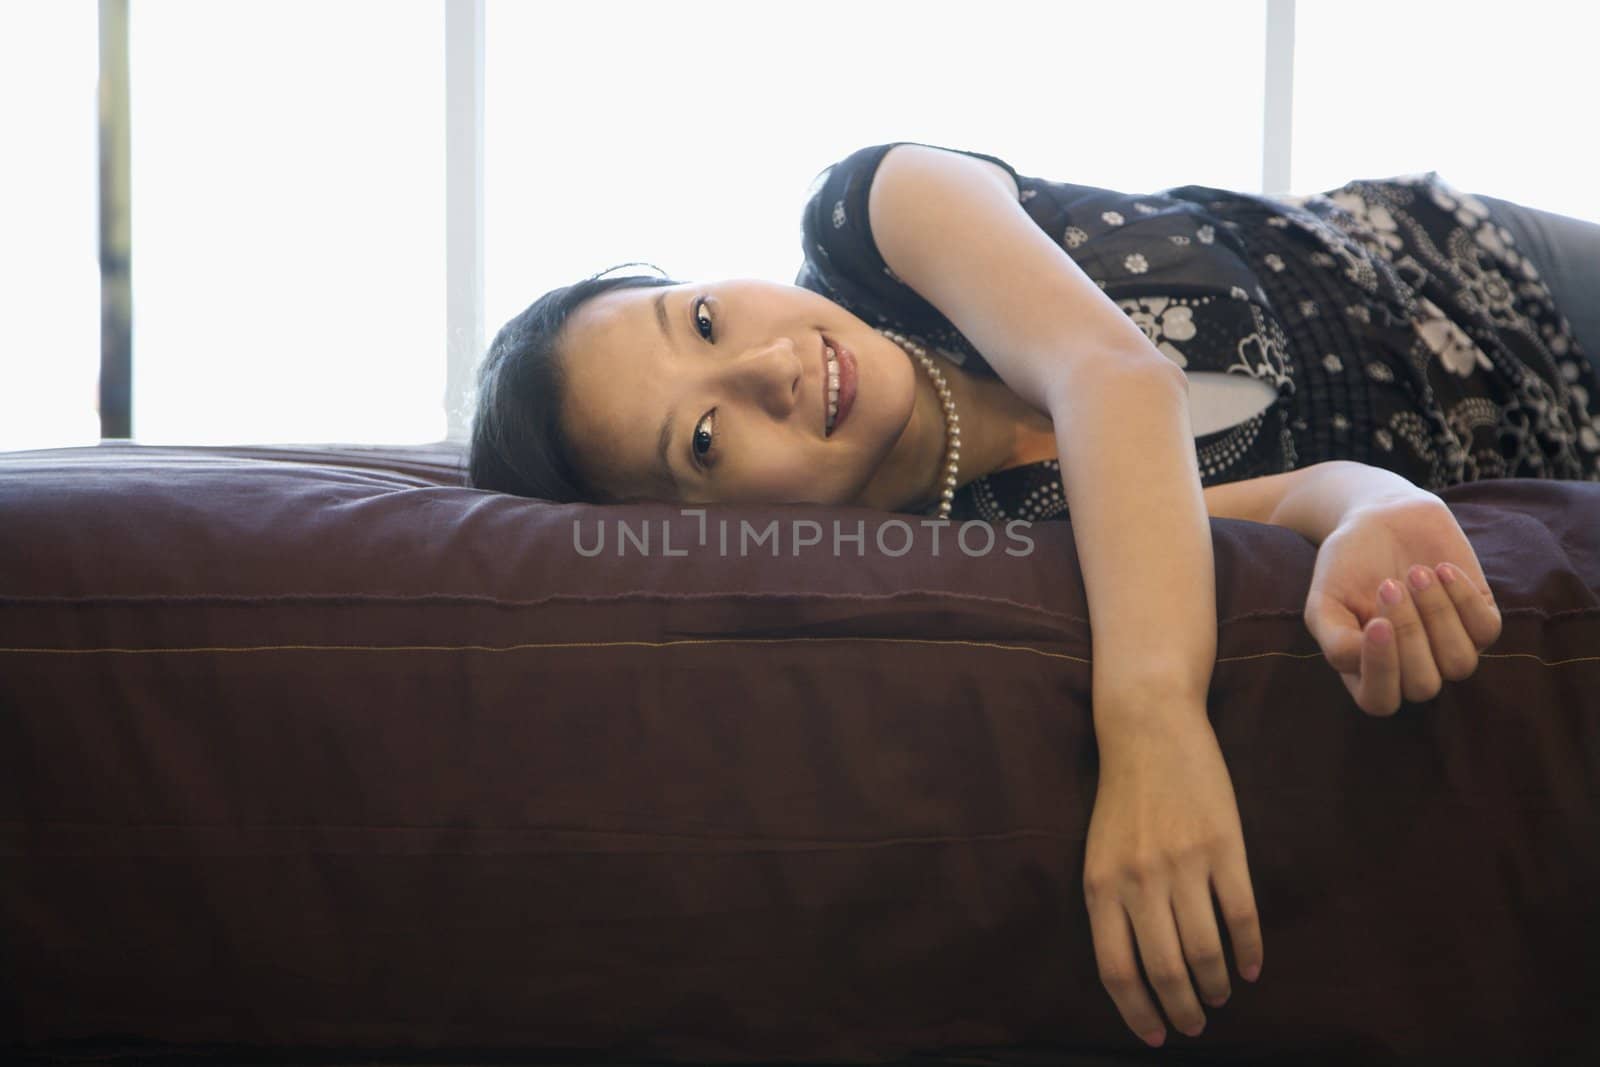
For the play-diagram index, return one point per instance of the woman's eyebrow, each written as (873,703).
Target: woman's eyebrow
(661,319)
(663,440)
(664,436)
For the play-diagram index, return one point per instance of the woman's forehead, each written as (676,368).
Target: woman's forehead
(616,341)
(631,311)
(611,403)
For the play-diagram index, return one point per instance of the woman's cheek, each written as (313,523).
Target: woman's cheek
(794,481)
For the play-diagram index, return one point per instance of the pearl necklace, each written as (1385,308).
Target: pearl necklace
(952,421)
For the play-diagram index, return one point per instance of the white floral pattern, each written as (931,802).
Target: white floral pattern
(1448,342)
(1374,223)
(1263,353)
(1163,322)
(1482,288)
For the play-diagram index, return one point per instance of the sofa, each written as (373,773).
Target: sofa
(312,754)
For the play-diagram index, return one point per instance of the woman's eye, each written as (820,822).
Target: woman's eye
(699,310)
(711,438)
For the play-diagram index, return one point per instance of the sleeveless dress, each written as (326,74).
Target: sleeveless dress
(1392,319)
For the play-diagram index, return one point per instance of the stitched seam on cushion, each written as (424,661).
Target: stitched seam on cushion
(992,645)
(553,598)
(641,595)
(524,645)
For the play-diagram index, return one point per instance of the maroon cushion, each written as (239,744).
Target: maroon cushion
(317,748)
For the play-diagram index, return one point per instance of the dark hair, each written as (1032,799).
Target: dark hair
(516,444)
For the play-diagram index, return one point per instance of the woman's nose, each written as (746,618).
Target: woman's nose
(771,374)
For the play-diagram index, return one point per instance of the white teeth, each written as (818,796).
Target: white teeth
(833,386)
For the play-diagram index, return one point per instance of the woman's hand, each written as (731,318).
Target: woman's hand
(1383,650)
(1164,833)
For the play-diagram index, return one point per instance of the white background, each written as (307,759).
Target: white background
(288,171)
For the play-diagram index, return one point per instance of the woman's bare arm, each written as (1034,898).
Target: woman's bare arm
(950,226)
(1165,830)
(1312,500)
(1143,534)
(1316,503)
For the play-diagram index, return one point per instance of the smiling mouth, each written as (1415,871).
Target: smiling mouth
(823,392)
(845,394)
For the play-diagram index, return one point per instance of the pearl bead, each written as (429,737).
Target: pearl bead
(952,421)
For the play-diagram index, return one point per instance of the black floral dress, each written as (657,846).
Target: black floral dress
(1392,318)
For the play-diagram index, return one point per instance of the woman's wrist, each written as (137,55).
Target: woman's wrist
(1330,492)
(1123,713)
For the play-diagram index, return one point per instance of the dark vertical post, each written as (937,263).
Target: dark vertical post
(116,290)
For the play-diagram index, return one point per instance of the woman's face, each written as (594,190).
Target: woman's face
(731,378)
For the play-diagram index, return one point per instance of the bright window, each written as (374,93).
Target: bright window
(288,221)
(49,254)
(288,178)
(1498,98)
(687,135)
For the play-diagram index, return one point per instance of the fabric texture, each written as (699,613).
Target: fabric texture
(1566,252)
(1398,325)
(303,751)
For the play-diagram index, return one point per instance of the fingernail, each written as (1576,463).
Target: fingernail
(1390,592)
(1447,574)
(1380,633)
(1420,579)
(1155,1037)
(1252,972)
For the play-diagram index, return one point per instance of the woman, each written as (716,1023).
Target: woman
(967,342)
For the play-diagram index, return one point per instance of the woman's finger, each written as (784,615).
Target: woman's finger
(1453,653)
(1336,629)
(1159,948)
(1119,971)
(1419,677)
(1477,609)
(1202,943)
(1377,687)
(1231,880)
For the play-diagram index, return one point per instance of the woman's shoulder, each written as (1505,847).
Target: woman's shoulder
(842,262)
(862,164)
